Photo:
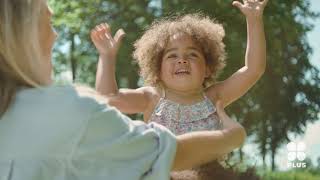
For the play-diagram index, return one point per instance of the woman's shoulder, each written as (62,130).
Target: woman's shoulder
(76,97)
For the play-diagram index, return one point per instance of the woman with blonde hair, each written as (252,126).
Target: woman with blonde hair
(52,132)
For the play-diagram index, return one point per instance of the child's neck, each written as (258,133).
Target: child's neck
(184,97)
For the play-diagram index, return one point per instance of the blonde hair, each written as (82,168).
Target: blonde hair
(20,55)
(204,31)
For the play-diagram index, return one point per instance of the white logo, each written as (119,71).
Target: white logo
(296,151)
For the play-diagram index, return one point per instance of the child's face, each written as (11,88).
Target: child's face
(183,65)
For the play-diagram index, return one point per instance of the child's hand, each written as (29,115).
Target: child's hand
(106,45)
(251,8)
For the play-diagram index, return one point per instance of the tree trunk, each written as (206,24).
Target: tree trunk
(71,57)
(273,154)
(241,154)
(264,160)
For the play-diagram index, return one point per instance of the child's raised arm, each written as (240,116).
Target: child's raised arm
(126,100)
(255,60)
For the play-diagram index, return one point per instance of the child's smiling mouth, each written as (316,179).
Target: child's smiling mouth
(182,72)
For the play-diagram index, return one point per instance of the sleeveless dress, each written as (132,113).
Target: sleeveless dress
(181,119)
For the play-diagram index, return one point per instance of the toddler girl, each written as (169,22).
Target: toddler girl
(179,59)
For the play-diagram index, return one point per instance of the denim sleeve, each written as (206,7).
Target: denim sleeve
(113,146)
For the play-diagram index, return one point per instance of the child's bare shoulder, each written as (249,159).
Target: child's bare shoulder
(154,95)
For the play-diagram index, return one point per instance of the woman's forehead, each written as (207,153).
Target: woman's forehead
(49,9)
(46,9)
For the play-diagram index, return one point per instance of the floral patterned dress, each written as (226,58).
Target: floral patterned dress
(181,119)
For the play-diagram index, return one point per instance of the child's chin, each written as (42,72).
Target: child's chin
(183,86)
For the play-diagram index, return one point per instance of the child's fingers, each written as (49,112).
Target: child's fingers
(237,4)
(107,36)
(264,2)
(93,35)
(98,28)
(107,28)
(102,29)
(119,36)
(97,36)
(97,32)
(100,32)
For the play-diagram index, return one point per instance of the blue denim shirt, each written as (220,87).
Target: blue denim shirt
(62,133)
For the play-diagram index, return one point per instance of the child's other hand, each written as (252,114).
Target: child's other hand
(251,8)
(106,45)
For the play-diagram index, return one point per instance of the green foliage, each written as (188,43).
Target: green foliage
(74,51)
(291,175)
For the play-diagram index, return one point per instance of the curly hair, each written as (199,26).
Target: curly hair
(204,31)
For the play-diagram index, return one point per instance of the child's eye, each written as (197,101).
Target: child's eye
(172,56)
(193,55)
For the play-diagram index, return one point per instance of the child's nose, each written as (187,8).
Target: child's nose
(182,61)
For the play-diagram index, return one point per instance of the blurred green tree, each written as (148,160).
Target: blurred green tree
(74,51)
